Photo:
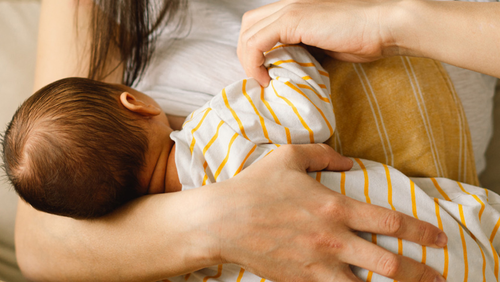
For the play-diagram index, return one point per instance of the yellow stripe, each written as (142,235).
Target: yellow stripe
(462,220)
(495,254)
(389,199)
(414,209)
(312,89)
(219,272)
(400,246)
(287,131)
(445,249)
(306,77)
(190,118)
(240,275)
(244,161)
(269,153)
(370,273)
(318,176)
(424,254)
(235,116)
(484,263)
(261,119)
(389,186)
(277,63)
(193,141)
(476,198)
(342,183)
(205,177)
(464,248)
(324,73)
(365,173)
(304,124)
(262,280)
(319,110)
(440,190)
(494,232)
(221,166)
(322,85)
(413,200)
(209,144)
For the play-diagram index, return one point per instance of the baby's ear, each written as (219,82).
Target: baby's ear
(131,103)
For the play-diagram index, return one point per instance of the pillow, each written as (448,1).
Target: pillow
(403,112)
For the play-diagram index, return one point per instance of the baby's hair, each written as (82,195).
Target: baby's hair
(72,149)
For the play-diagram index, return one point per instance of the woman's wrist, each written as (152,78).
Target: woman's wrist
(400,25)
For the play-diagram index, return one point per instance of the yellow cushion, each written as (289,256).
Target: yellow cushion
(403,112)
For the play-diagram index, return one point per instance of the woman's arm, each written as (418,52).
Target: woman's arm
(459,33)
(169,234)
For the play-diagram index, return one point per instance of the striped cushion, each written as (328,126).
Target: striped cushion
(403,112)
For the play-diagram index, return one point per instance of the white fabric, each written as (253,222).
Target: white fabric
(295,108)
(245,123)
(202,60)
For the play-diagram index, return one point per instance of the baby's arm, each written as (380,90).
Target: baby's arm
(295,107)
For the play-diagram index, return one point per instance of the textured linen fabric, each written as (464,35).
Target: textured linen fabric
(246,122)
(403,112)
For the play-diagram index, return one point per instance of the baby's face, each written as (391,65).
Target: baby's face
(153,176)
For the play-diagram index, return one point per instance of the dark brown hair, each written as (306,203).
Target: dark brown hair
(72,149)
(132,27)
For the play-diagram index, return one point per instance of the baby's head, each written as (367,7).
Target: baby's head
(73,149)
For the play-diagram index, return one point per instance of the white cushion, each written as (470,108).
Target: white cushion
(18,30)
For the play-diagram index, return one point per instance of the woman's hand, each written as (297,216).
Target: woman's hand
(353,30)
(463,34)
(283,225)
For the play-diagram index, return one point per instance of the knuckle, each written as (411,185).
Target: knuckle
(245,37)
(389,264)
(293,10)
(325,241)
(289,150)
(333,208)
(424,233)
(247,17)
(392,223)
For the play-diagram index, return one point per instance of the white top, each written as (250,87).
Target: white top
(187,72)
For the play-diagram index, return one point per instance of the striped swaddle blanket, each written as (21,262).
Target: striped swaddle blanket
(245,122)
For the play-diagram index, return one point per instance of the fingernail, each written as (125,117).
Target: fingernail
(439,279)
(441,241)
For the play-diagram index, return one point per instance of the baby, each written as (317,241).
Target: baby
(82,148)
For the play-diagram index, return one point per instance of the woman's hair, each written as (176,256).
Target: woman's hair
(131,26)
(72,149)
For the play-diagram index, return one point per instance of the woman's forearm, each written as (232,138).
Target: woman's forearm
(152,238)
(63,47)
(465,34)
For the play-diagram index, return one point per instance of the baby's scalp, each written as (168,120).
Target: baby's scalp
(72,149)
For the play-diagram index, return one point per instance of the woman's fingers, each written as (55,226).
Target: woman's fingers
(374,258)
(353,30)
(259,34)
(313,157)
(379,220)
